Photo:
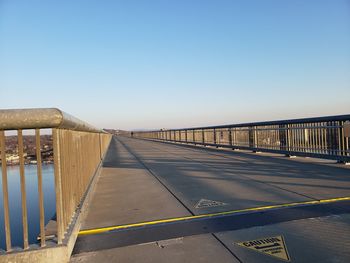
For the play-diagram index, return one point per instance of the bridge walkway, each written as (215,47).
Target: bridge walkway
(145,181)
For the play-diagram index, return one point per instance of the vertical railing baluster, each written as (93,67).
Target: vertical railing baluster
(40,188)
(5,191)
(23,190)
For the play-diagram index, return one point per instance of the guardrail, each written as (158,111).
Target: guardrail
(323,137)
(78,149)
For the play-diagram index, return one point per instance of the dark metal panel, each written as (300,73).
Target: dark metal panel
(144,234)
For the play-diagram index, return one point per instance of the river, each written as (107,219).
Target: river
(32,202)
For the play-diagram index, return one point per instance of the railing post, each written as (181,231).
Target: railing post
(251,136)
(346,136)
(287,138)
(23,190)
(100,146)
(40,188)
(284,138)
(255,134)
(58,185)
(341,139)
(234,137)
(5,191)
(214,134)
(332,138)
(203,139)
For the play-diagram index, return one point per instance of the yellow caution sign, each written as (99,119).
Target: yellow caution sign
(272,246)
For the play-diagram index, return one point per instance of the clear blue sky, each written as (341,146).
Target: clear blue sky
(154,64)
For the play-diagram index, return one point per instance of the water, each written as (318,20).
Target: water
(32,203)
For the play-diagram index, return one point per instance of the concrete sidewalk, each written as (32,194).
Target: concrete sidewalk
(127,193)
(144,181)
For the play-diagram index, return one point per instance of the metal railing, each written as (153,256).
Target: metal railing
(323,137)
(78,149)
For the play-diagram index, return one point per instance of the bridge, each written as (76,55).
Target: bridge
(255,192)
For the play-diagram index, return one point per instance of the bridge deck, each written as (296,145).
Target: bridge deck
(144,181)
